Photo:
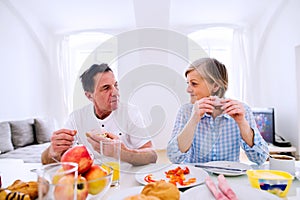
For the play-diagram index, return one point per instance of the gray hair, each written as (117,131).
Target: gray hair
(213,72)
(87,77)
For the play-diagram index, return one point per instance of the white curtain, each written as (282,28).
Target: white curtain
(240,81)
(65,75)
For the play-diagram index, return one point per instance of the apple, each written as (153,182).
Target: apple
(64,188)
(82,188)
(58,174)
(80,155)
(94,185)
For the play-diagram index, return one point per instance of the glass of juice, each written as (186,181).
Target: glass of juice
(110,152)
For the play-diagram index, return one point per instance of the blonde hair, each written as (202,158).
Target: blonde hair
(213,72)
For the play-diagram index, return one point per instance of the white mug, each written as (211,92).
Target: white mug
(283,163)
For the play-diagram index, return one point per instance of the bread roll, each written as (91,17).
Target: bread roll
(163,190)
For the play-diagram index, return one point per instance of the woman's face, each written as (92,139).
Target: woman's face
(198,87)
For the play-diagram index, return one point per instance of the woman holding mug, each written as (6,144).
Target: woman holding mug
(211,127)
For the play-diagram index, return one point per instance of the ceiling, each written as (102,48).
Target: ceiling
(65,16)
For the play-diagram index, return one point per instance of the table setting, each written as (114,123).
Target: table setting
(132,178)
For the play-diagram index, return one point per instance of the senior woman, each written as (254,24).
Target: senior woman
(211,127)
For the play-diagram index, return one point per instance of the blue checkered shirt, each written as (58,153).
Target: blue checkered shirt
(216,139)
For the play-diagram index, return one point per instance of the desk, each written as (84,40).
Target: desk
(16,169)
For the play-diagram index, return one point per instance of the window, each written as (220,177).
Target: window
(82,45)
(75,50)
(217,43)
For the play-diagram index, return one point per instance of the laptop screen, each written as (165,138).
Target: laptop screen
(265,122)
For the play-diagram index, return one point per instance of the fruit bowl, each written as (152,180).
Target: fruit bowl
(273,181)
(97,187)
(57,183)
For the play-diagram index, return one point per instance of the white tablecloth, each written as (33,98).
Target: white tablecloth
(12,169)
(128,181)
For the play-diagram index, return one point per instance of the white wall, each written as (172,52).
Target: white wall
(275,66)
(26,76)
(297,53)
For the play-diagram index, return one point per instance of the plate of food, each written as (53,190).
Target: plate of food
(227,168)
(183,176)
(243,192)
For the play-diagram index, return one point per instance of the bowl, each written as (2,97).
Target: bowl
(273,181)
(57,183)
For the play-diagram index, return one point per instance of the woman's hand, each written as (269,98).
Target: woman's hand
(234,109)
(237,111)
(201,106)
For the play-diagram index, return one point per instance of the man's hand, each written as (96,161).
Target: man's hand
(95,138)
(61,141)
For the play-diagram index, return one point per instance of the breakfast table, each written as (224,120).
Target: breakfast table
(12,169)
(128,180)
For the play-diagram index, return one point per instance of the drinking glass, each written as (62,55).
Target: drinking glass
(110,153)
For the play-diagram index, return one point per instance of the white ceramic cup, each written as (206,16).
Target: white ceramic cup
(283,163)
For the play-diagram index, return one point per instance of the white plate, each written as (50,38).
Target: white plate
(227,164)
(159,174)
(242,192)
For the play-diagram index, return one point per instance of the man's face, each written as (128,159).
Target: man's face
(106,93)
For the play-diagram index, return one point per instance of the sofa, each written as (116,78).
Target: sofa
(25,139)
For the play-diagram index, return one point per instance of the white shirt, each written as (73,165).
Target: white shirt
(126,122)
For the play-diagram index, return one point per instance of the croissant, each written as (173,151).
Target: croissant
(11,195)
(30,188)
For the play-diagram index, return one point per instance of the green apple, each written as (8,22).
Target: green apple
(58,174)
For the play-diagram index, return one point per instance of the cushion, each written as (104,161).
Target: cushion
(22,132)
(43,129)
(5,135)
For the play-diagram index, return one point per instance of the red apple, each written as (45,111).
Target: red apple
(78,154)
(93,176)
(82,188)
(64,189)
